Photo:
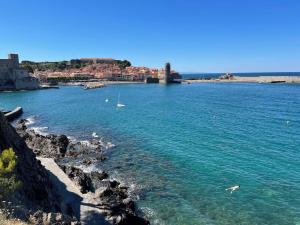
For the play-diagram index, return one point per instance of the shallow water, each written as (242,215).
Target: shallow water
(180,146)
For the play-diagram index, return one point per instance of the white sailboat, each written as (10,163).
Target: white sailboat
(106,99)
(120,105)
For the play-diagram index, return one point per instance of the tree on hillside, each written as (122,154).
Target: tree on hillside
(28,68)
(8,181)
(123,63)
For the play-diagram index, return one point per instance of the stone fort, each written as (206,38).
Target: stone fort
(13,77)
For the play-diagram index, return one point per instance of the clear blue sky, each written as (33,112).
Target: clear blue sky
(194,35)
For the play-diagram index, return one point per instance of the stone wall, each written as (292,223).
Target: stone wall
(12,77)
(27,83)
(7,63)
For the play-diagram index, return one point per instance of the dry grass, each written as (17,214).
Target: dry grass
(5,221)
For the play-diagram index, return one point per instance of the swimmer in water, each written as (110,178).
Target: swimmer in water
(94,134)
(233,188)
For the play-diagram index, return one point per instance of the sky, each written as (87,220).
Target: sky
(193,35)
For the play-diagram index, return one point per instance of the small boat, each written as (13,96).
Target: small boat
(106,100)
(120,105)
(277,81)
(14,114)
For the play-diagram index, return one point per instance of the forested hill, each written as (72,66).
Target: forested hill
(74,63)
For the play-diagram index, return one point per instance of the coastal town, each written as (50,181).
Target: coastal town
(149,112)
(95,68)
(97,72)
(29,75)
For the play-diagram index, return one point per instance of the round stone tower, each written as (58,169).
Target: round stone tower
(168,73)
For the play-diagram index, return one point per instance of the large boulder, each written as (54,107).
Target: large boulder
(80,178)
(50,146)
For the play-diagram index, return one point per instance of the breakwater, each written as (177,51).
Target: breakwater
(258,79)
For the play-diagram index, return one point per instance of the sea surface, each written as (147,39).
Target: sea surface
(256,74)
(180,146)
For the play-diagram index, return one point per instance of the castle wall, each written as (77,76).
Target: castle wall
(7,85)
(20,73)
(27,83)
(8,64)
(12,77)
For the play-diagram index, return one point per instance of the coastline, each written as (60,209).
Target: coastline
(123,82)
(100,197)
(92,83)
(259,79)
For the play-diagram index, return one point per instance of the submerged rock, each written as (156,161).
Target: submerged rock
(99,175)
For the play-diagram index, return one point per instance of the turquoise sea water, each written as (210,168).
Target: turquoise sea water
(182,145)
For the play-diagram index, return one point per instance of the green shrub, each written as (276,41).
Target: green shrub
(8,160)
(8,181)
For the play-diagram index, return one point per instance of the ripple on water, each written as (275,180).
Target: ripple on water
(183,145)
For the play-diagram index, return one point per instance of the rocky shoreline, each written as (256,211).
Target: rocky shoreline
(36,201)
(113,198)
(43,197)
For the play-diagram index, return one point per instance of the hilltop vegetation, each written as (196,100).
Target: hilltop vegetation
(31,66)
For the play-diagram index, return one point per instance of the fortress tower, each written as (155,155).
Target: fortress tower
(168,78)
(14,58)
(13,77)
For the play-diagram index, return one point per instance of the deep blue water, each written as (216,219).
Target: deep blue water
(182,145)
(214,75)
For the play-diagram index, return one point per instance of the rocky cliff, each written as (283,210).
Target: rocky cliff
(36,193)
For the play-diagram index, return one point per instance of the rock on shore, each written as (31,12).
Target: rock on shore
(51,146)
(111,197)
